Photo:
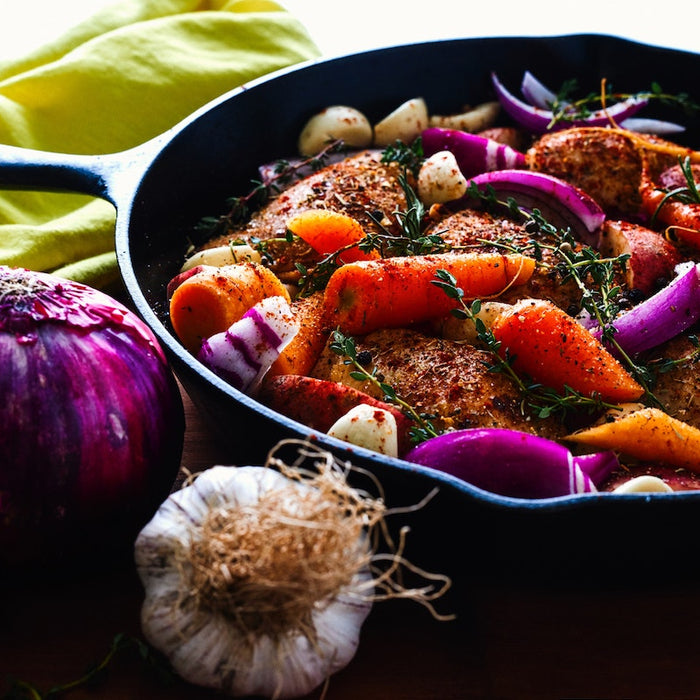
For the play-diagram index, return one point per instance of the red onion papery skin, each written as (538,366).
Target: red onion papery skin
(91,422)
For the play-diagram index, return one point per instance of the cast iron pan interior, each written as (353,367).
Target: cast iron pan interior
(214,154)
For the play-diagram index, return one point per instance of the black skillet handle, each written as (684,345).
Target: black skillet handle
(113,176)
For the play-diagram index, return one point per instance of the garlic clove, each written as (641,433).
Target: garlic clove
(440,179)
(404,124)
(222,255)
(644,484)
(471,120)
(335,122)
(370,427)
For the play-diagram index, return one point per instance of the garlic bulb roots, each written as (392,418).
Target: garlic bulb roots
(258,579)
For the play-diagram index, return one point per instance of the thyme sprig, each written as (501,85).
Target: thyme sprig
(409,155)
(239,208)
(412,240)
(96,673)
(566,108)
(687,193)
(594,275)
(346,347)
(542,400)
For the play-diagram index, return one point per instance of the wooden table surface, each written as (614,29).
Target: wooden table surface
(508,641)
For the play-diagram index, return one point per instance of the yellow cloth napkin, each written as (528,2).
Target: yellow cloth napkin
(123,76)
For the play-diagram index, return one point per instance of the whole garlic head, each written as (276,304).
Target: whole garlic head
(198,610)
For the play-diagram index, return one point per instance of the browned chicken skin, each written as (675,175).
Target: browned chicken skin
(475,230)
(360,186)
(444,377)
(606,163)
(451,379)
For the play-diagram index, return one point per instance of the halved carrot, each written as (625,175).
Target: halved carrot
(394,292)
(301,354)
(554,350)
(211,300)
(319,403)
(647,434)
(328,231)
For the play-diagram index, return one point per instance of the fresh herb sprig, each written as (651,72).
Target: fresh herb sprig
(594,275)
(542,400)
(239,208)
(346,347)
(96,673)
(566,108)
(687,193)
(411,240)
(408,155)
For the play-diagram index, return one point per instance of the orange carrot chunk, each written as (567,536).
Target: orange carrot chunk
(648,434)
(210,301)
(328,231)
(553,349)
(395,292)
(301,354)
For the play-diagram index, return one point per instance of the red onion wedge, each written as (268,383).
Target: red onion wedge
(536,93)
(662,316)
(539,95)
(474,154)
(91,421)
(541,119)
(561,204)
(513,463)
(243,354)
(651,126)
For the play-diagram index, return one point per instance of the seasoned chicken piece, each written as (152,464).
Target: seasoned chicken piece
(441,377)
(474,229)
(604,162)
(359,185)
(679,389)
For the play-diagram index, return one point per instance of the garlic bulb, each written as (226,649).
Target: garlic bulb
(253,585)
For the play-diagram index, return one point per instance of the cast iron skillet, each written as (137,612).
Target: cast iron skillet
(161,189)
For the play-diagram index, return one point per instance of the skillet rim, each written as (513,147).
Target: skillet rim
(187,367)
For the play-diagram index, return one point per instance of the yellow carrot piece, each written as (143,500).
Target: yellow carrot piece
(328,231)
(395,292)
(553,349)
(648,434)
(210,301)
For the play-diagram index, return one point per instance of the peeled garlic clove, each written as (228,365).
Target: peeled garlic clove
(464,329)
(644,484)
(404,124)
(222,255)
(335,122)
(370,427)
(440,179)
(479,118)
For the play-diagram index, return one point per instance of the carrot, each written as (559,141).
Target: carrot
(301,354)
(319,403)
(328,231)
(395,292)
(553,349)
(211,300)
(647,434)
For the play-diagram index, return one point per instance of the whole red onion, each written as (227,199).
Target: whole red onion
(91,420)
